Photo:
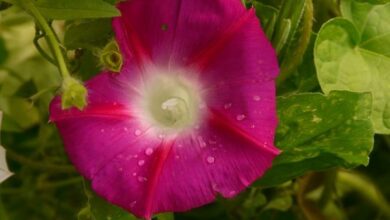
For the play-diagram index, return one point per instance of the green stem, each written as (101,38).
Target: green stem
(289,64)
(39,165)
(58,184)
(50,37)
(329,188)
(366,188)
(38,35)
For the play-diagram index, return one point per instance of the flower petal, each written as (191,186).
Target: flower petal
(176,30)
(221,42)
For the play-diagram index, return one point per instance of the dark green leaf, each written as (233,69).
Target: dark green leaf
(76,9)
(89,34)
(318,132)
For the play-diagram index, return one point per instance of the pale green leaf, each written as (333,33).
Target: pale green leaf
(354,55)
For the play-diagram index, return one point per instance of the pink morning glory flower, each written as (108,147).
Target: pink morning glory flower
(190,116)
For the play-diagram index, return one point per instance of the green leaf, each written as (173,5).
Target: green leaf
(19,114)
(317,132)
(165,216)
(89,34)
(99,209)
(355,56)
(76,9)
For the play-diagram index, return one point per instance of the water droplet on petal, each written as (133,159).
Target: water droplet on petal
(142,179)
(256,98)
(212,142)
(120,169)
(134,174)
(227,105)
(232,193)
(102,130)
(244,181)
(240,117)
(125,129)
(132,204)
(137,132)
(215,187)
(202,143)
(210,159)
(253,126)
(141,163)
(149,151)
(135,156)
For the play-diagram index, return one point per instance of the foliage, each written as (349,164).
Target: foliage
(333,90)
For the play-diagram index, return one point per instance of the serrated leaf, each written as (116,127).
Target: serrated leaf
(355,56)
(317,132)
(76,9)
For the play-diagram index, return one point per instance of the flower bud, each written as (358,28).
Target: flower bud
(73,94)
(111,58)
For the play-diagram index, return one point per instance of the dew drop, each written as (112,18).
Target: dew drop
(132,204)
(125,129)
(137,132)
(134,174)
(149,151)
(256,98)
(232,193)
(201,142)
(202,105)
(253,126)
(227,105)
(120,169)
(102,130)
(142,179)
(215,187)
(212,142)
(136,156)
(141,163)
(210,159)
(244,181)
(240,117)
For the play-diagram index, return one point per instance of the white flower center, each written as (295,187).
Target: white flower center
(174,111)
(171,102)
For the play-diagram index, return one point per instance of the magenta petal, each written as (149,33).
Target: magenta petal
(174,30)
(216,42)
